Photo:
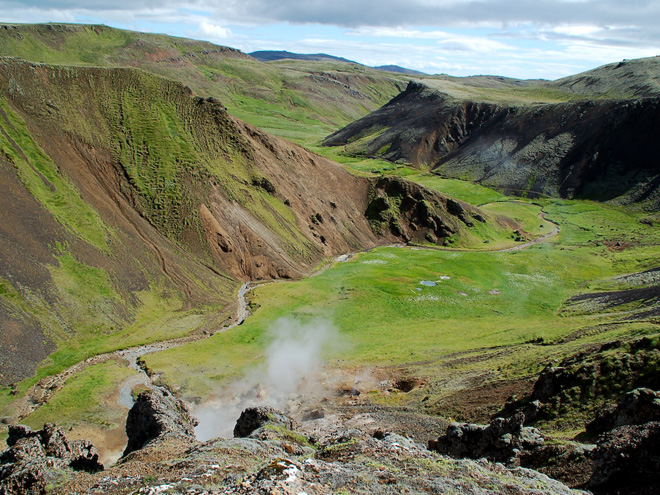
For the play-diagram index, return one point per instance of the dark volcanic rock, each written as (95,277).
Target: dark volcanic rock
(412,213)
(155,415)
(502,440)
(602,149)
(255,418)
(637,407)
(597,375)
(628,456)
(36,459)
(570,463)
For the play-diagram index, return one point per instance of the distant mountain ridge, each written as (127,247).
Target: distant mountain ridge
(272,55)
(401,70)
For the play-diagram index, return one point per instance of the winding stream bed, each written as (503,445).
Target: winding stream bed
(40,393)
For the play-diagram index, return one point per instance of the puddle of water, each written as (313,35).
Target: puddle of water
(428,283)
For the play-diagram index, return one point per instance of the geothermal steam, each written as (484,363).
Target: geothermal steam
(292,360)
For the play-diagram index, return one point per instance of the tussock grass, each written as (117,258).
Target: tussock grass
(87,397)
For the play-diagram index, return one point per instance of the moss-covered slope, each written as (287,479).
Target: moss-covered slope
(299,100)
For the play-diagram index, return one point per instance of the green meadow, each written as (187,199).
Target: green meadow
(494,315)
(503,310)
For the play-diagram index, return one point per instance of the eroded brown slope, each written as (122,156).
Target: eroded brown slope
(123,183)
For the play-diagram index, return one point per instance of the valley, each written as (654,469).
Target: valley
(428,260)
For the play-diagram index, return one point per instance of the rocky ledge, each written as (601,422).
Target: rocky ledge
(155,416)
(273,454)
(330,453)
(36,461)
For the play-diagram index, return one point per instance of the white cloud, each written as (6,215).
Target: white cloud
(214,31)
(578,30)
(510,37)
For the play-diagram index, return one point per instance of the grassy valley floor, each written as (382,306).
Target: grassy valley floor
(448,333)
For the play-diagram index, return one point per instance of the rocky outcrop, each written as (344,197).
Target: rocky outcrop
(37,459)
(155,416)
(637,407)
(597,375)
(348,459)
(568,462)
(253,419)
(628,457)
(410,212)
(626,454)
(500,441)
(625,433)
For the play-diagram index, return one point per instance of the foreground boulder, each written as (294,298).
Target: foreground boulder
(253,419)
(37,459)
(157,415)
(500,441)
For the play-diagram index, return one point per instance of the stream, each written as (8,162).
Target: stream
(40,393)
(133,354)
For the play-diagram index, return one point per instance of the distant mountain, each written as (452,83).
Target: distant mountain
(400,70)
(270,56)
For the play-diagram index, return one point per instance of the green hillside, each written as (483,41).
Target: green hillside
(302,101)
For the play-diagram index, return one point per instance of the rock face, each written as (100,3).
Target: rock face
(349,458)
(628,457)
(409,212)
(156,415)
(36,459)
(637,407)
(500,441)
(600,149)
(627,454)
(253,419)
(597,375)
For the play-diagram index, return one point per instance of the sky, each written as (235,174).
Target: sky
(526,39)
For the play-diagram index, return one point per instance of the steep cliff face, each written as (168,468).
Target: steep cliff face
(417,126)
(121,186)
(599,149)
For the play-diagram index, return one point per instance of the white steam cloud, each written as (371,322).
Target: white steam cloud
(290,372)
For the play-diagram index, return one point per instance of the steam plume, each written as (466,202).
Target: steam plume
(292,360)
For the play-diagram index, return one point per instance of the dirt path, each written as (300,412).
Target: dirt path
(41,392)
